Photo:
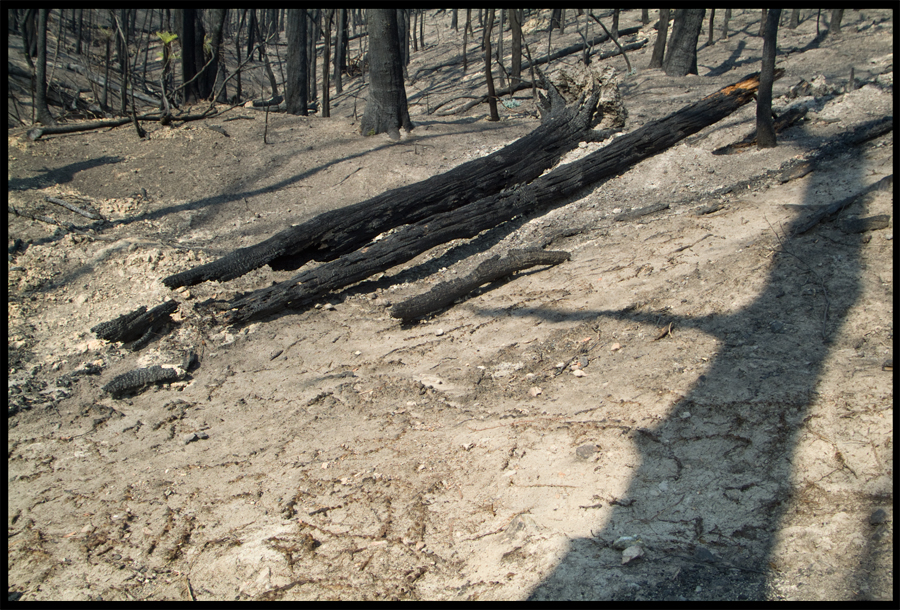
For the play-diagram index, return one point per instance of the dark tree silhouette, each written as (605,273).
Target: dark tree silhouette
(296,87)
(515,23)
(189,46)
(492,94)
(386,107)
(681,56)
(340,46)
(765,129)
(326,61)
(215,72)
(40,82)
(659,48)
(834,28)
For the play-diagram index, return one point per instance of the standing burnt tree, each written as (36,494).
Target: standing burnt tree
(765,128)
(681,57)
(662,31)
(215,73)
(515,24)
(492,94)
(386,107)
(296,87)
(40,81)
(192,33)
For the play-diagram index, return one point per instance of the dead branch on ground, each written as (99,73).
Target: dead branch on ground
(492,269)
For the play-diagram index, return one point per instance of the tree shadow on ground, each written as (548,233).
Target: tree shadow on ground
(59,175)
(710,490)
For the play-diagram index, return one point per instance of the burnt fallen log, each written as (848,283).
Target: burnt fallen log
(409,241)
(137,380)
(40,131)
(579,46)
(334,233)
(137,325)
(862,225)
(491,270)
(831,211)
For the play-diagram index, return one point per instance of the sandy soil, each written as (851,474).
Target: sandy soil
(542,439)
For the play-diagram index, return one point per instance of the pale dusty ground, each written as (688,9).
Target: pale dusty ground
(748,452)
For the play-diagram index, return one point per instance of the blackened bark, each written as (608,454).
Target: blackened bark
(386,106)
(340,45)
(333,234)
(516,27)
(465,50)
(40,82)
(216,70)
(659,48)
(251,32)
(765,129)
(409,241)
(296,89)
(133,325)
(188,62)
(326,62)
(137,380)
(681,57)
(834,28)
(491,270)
(492,94)
(795,19)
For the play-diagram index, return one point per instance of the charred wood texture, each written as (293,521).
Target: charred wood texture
(335,233)
(467,221)
(490,270)
(831,211)
(138,380)
(135,325)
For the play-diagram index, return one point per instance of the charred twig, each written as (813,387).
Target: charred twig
(75,209)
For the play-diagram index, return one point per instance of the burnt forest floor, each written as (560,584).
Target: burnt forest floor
(545,438)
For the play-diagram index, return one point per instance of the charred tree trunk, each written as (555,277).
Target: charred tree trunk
(466,29)
(467,221)
(188,61)
(335,233)
(492,94)
(490,270)
(296,89)
(659,48)
(326,63)
(40,80)
(386,106)
(681,57)
(516,27)
(340,45)
(216,75)
(834,28)
(765,129)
